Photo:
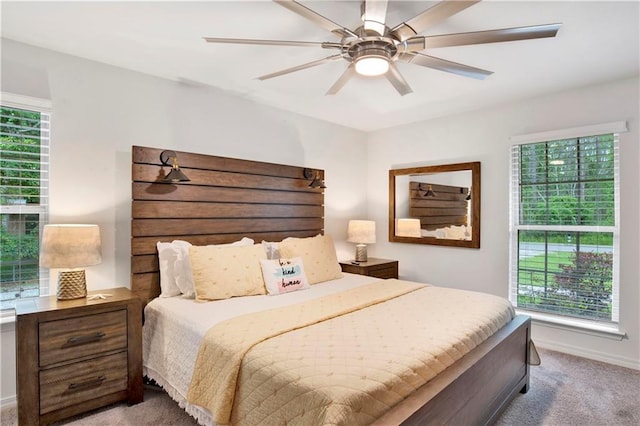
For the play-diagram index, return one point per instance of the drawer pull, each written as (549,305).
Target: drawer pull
(91,383)
(81,340)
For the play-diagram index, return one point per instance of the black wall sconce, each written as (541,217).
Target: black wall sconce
(468,197)
(315,175)
(429,192)
(170,158)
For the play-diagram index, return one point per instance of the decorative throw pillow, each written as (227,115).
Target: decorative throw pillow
(318,255)
(224,272)
(283,275)
(182,265)
(167,257)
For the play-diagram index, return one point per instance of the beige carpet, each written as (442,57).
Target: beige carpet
(565,390)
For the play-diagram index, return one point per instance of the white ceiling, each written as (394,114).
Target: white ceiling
(598,42)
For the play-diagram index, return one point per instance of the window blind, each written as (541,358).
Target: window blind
(564,226)
(24,197)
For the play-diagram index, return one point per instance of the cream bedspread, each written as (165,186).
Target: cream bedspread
(310,364)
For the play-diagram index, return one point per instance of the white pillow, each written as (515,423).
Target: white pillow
(182,265)
(283,275)
(271,249)
(167,257)
(182,268)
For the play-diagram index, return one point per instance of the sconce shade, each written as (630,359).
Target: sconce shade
(316,182)
(361,232)
(175,175)
(429,192)
(70,246)
(408,228)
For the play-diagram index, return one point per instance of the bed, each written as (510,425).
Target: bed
(229,199)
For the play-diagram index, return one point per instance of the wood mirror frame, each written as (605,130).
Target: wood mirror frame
(472,191)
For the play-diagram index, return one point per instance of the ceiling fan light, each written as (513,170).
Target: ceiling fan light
(372,65)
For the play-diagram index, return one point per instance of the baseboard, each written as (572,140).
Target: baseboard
(8,402)
(588,353)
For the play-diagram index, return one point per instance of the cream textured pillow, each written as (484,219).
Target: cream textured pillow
(182,265)
(318,256)
(283,275)
(224,272)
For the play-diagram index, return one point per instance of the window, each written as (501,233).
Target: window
(24,206)
(564,225)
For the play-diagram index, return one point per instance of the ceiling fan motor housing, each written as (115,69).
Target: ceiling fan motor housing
(378,47)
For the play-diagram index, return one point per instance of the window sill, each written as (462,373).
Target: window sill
(610,331)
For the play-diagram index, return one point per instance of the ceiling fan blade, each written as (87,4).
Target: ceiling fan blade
(339,84)
(374,14)
(272,42)
(301,67)
(398,81)
(415,44)
(430,17)
(444,65)
(315,17)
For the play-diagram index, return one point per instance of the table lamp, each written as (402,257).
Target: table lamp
(361,232)
(70,246)
(408,228)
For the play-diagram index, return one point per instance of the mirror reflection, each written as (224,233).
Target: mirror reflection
(435,205)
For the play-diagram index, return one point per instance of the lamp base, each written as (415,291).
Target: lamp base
(361,252)
(71,285)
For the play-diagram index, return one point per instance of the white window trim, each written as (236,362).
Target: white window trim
(574,132)
(25,102)
(593,328)
(7,320)
(598,328)
(44,106)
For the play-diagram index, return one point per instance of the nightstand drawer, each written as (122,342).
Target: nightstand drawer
(373,267)
(384,271)
(79,382)
(72,338)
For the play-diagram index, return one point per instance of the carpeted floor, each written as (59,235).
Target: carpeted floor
(565,391)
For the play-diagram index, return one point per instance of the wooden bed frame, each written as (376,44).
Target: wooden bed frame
(228,199)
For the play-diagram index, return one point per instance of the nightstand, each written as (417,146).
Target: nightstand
(76,355)
(373,267)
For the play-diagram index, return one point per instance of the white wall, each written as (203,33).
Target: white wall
(484,136)
(100,111)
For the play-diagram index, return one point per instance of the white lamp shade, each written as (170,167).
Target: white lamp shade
(70,246)
(361,232)
(408,228)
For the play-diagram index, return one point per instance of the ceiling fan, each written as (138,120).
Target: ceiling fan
(373,48)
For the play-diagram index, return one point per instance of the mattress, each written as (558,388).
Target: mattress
(174,330)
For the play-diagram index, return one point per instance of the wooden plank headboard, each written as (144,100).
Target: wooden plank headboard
(447,207)
(226,199)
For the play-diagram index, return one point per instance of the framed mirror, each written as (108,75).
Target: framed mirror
(437,205)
